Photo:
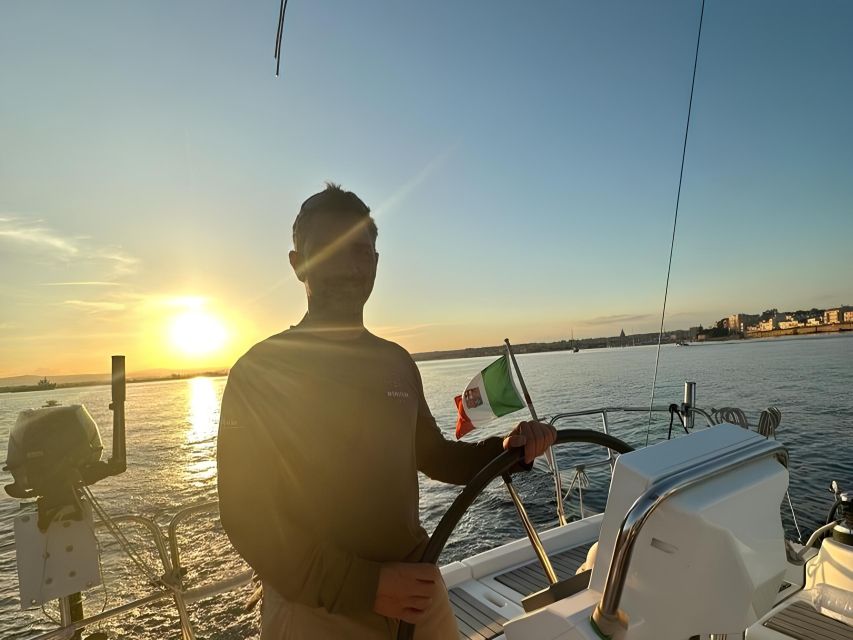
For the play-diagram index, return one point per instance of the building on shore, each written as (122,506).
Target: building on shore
(848,316)
(739,322)
(790,322)
(770,323)
(837,315)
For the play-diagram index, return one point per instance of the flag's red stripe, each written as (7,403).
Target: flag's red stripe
(463,423)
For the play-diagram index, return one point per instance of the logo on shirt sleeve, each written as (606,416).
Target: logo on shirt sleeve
(229,423)
(397,391)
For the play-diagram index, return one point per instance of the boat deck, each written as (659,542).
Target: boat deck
(475,620)
(479,621)
(493,590)
(801,621)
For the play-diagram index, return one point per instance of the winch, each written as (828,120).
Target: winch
(842,510)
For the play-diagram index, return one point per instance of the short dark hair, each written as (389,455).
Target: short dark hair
(334,201)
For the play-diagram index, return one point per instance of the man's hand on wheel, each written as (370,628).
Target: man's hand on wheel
(406,590)
(535,437)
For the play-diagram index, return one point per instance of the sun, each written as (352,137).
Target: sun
(197,333)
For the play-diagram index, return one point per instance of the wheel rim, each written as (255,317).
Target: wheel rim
(497,467)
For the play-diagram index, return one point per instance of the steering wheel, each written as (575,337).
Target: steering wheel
(497,467)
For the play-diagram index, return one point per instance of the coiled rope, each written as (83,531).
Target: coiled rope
(768,421)
(732,415)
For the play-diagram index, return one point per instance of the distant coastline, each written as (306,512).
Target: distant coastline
(106,381)
(792,331)
(678,336)
(636,340)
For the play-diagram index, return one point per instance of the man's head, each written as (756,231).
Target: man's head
(334,253)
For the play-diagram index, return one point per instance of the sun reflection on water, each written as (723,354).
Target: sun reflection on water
(203,409)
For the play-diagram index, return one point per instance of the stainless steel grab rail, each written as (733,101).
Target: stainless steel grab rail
(606,616)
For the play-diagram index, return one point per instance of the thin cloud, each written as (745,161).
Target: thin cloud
(412,330)
(96,305)
(37,236)
(827,296)
(619,317)
(65,336)
(20,232)
(122,264)
(80,284)
(117,256)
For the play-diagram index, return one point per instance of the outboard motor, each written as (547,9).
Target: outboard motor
(51,451)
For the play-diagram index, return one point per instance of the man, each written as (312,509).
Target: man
(322,431)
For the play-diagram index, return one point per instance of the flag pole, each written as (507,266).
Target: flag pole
(549,454)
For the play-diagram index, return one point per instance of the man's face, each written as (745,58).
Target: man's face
(338,265)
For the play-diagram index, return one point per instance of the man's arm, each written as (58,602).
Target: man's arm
(264,524)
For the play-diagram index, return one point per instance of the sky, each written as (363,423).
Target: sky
(521,161)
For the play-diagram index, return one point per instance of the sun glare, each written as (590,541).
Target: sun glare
(197,333)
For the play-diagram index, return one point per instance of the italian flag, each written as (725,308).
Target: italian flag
(491,394)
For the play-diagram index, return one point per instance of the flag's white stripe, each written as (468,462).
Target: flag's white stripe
(483,413)
(515,384)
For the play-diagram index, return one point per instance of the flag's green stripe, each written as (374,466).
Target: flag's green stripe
(499,388)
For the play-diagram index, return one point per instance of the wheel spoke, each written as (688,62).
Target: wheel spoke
(532,535)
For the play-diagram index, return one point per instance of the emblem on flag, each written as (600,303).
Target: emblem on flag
(473,398)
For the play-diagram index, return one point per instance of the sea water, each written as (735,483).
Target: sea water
(171,443)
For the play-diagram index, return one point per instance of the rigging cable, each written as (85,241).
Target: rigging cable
(145,569)
(675,221)
(278,35)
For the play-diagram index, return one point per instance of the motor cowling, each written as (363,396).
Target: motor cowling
(50,449)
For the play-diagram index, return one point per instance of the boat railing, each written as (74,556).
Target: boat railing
(578,478)
(171,581)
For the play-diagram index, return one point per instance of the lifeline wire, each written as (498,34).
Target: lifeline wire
(675,221)
(123,542)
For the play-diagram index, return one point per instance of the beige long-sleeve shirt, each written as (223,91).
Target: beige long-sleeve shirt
(319,446)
